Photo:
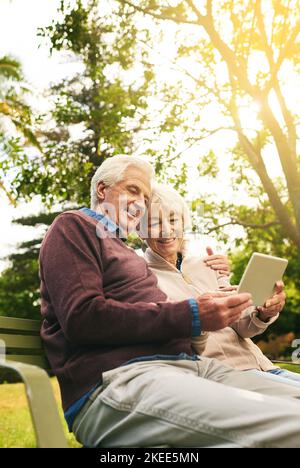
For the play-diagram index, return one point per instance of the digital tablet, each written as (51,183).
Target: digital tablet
(261,275)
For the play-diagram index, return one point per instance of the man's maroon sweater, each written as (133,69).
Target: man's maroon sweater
(101,306)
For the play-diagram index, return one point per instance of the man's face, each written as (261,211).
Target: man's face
(126,201)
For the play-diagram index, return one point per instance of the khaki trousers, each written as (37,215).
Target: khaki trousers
(187,403)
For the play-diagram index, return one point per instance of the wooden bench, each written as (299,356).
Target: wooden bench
(24,361)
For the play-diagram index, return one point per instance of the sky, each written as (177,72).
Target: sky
(20,20)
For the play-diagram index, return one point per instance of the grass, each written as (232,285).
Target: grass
(291,367)
(15,424)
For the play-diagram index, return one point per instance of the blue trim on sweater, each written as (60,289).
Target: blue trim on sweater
(111,226)
(196,324)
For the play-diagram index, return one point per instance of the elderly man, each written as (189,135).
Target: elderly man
(122,353)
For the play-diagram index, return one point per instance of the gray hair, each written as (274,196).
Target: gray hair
(112,171)
(171,201)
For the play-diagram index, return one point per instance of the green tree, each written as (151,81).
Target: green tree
(16,121)
(218,47)
(19,282)
(98,110)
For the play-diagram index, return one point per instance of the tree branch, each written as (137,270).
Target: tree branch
(196,140)
(258,165)
(289,43)
(288,118)
(11,199)
(261,27)
(209,8)
(159,16)
(236,222)
(195,10)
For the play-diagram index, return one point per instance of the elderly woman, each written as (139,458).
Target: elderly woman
(181,276)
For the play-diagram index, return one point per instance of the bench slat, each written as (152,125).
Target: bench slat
(15,324)
(21,341)
(39,361)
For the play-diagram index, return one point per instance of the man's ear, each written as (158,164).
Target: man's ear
(101,191)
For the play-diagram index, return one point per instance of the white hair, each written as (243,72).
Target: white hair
(112,171)
(171,201)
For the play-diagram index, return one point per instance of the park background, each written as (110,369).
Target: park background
(207,91)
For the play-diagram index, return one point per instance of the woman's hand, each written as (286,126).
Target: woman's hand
(232,289)
(274,305)
(218,262)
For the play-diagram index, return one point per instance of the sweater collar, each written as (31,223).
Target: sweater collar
(154,260)
(107,222)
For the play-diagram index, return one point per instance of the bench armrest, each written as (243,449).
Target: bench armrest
(43,408)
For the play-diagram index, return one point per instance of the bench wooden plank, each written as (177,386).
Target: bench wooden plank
(21,341)
(34,360)
(15,324)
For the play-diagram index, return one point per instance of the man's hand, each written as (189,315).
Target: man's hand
(219,310)
(218,262)
(274,305)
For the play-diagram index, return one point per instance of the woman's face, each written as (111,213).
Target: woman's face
(165,232)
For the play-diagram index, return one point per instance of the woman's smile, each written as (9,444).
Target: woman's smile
(166,241)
